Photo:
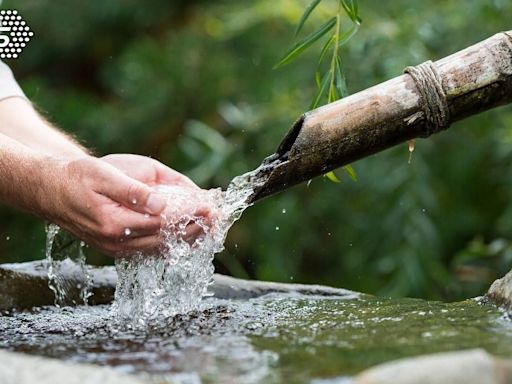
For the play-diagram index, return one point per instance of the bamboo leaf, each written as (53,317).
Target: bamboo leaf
(321,91)
(301,46)
(332,176)
(341,82)
(311,7)
(351,172)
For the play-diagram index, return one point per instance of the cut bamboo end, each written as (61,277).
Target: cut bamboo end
(473,80)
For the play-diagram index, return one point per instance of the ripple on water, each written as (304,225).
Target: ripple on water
(274,338)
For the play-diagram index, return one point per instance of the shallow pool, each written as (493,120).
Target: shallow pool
(276,338)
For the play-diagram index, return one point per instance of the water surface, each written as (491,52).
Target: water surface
(277,338)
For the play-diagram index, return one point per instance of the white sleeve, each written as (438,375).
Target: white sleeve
(8,85)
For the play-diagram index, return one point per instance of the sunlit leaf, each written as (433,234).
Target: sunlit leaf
(311,7)
(332,176)
(301,46)
(351,172)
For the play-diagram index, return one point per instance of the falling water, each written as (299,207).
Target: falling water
(175,278)
(65,252)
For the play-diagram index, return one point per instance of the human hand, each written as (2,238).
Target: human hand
(152,173)
(147,170)
(100,204)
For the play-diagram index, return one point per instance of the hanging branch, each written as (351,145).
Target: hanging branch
(331,83)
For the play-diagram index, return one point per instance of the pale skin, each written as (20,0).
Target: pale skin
(46,173)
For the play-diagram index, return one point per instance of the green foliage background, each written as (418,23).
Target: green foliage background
(191,83)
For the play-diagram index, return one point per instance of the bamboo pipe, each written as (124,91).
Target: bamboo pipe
(409,106)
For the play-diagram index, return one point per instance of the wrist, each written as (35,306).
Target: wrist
(49,182)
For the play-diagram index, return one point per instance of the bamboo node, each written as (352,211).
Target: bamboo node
(432,95)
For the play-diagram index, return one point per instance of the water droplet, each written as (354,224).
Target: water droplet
(411,150)
(82,243)
(146,215)
(277,228)
(134,201)
(328,233)
(423,210)
(291,277)
(236,245)
(8,238)
(284,210)
(350,244)
(127,231)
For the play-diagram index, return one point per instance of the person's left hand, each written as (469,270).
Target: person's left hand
(151,172)
(147,170)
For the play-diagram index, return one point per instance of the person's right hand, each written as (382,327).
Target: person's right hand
(101,205)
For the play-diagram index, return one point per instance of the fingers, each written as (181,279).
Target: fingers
(152,244)
(147,170)
(149,244)
(131,193)
(129,224)
(192,232)
(168,175)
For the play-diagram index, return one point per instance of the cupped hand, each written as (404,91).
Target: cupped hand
(151,172)
(147,170)
(101,205)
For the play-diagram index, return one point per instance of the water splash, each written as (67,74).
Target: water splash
(174,279)
(63,251)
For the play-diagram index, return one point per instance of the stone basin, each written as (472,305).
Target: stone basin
(250,332)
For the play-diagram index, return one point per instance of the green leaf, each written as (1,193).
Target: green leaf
(341,82)
(346,36)
(321,91)
(352,9)
(318,79)
(332,176)
(351,172)
(325,49)
(301,46)
(311,7)
(332,95)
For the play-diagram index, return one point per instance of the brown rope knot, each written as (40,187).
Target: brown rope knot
(433,97)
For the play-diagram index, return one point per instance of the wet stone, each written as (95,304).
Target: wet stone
(25,285)
(500,292)
(466,367)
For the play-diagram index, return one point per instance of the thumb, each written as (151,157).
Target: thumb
(134,195)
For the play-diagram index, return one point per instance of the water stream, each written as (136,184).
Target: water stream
(153,286)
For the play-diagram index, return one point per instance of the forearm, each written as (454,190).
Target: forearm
(24,175)
(20,121)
